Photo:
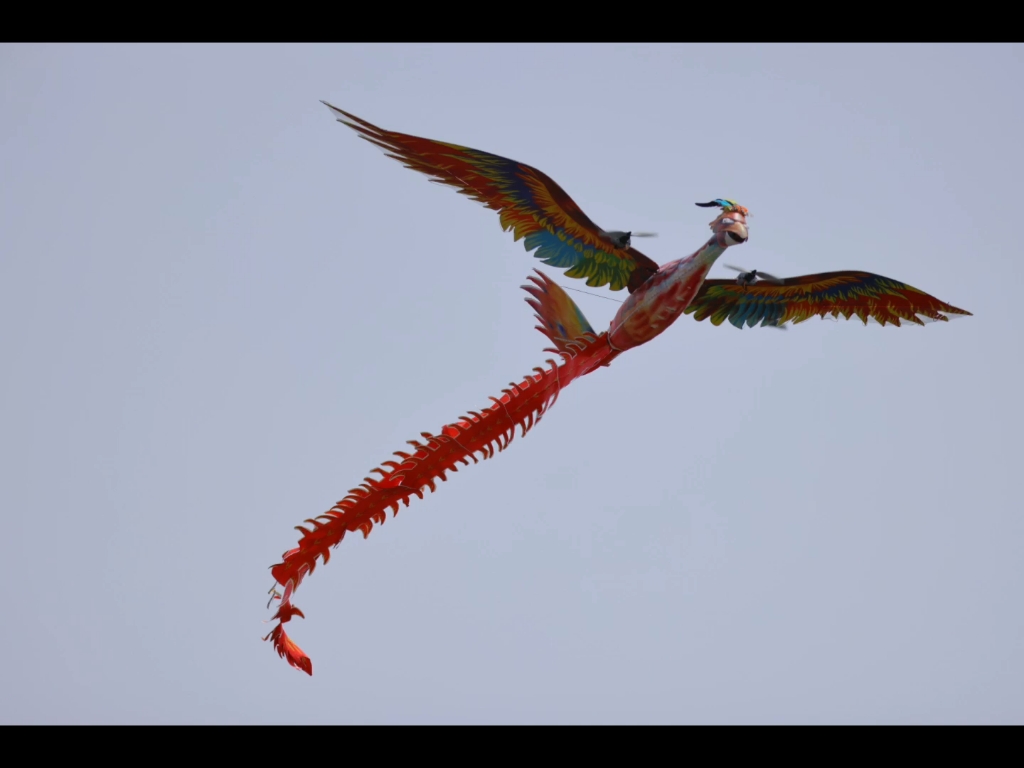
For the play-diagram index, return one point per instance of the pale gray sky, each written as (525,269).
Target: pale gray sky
(221,309)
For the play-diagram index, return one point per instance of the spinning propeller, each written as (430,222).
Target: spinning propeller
(751,276)
(622,239)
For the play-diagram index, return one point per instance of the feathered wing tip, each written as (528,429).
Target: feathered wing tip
(388,141)
(919,319)
(340,115)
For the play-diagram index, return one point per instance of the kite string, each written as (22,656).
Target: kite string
(596,295)
(619,301)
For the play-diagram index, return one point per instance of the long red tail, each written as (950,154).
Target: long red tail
(523,405)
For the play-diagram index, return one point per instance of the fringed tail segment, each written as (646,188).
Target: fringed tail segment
(283,644)
(522,405)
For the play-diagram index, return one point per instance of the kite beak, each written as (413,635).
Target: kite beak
(733,234)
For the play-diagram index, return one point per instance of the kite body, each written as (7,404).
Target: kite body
(663,298)
(539,211)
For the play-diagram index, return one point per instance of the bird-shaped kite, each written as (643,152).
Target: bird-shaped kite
(540,212)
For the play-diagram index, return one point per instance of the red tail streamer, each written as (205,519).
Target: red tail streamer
(522,405)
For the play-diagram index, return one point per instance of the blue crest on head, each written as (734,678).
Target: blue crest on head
(720,202)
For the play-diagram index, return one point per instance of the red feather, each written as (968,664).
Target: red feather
(520,406)
(528,201)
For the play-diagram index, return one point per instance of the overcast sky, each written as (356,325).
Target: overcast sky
(220,309)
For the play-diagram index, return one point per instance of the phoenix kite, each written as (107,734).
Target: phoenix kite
(539,212)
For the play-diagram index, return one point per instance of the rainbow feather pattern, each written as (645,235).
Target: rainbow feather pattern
(529,203)
(847,293)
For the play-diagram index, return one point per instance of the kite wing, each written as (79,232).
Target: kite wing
(845,293)
(528,202)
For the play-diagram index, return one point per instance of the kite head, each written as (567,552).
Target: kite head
(730,227)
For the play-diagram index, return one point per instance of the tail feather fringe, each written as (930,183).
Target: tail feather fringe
(487,432)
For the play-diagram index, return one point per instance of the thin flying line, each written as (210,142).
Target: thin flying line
(597,295)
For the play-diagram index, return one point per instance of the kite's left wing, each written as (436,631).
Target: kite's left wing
(527,200)
(844,293)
